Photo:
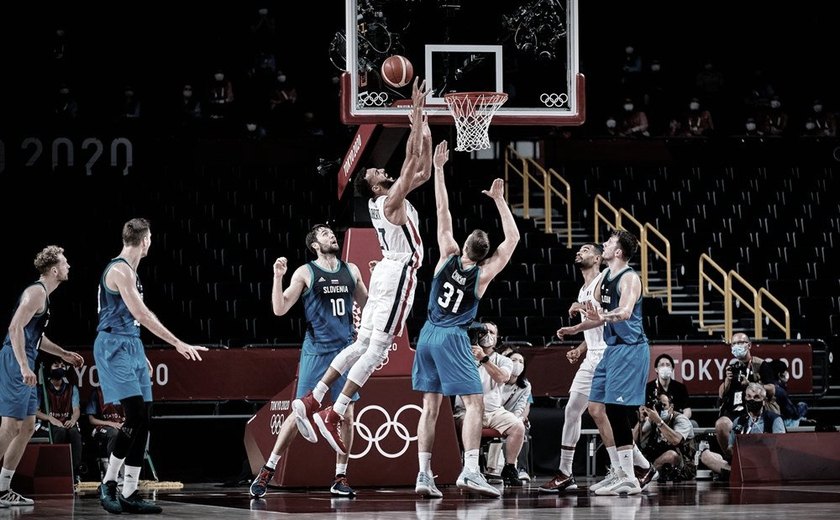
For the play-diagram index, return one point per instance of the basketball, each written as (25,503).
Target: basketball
(397,71)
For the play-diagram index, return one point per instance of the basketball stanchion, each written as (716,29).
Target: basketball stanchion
(472,112)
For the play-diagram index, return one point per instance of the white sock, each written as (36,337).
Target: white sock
(639,459)
(132,477)
(320,391)
(471,460)
(6,479)
(566,458)
(340,469)
(114,467)
(612,451)
(341,404)
(425,460)
(272,461)
(625,461)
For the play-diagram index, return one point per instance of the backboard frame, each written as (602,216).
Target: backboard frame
(571,112)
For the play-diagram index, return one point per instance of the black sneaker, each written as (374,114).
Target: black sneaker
(135,504)
(260,484)
(510,476)
(108,497)
(341,488)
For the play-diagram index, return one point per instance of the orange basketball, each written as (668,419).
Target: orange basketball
(397,71)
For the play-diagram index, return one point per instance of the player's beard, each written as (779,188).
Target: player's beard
(387,183)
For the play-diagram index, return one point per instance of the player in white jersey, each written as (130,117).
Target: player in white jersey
(588,260)
(393,280)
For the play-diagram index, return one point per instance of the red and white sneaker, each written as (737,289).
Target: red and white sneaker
(304,409)
(329,422)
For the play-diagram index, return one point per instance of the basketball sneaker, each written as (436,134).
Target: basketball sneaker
(12,499)
(560,482)
(341,488)
(135,504)
(329,423)
(645,476)
(510,476)
(524,476)
(108,497)
(474,481)
(304,409)
(425,486)
(608,480)
(622,484)
(259,485)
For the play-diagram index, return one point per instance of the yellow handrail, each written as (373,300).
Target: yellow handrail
(666,255)
(724,291)
(752,306)
(764,293)
(566,198)
(616,222)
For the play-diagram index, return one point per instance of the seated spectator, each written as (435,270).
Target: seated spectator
(756,419)
(634,121)
(517,399)
(792,413)
(697,122)
(106,420)
(751,128)
(58,411)
(666,384)
(668,440)
(495,371)
(819,122)
(776,119)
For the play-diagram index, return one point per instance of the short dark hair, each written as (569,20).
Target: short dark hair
(134,231)
(597,247)
(478,245)
(627,242)
(660,357)
(312,236)
(362,184)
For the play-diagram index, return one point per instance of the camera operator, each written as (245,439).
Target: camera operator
(668,440)
(742,370)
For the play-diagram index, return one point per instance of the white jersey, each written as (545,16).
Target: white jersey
(594,337)
(492,390)
(399,243)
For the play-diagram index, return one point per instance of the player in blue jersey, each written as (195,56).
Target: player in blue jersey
(329,287)
(123,367)
(445,363)
(18,395)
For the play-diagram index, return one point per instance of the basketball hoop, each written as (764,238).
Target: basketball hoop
(472,112)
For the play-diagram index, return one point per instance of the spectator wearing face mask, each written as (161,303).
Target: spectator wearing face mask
(59,411)
(792,413)
(634,121)
(697,122)
(517,399)
(611,126)
(220,95)
(755,418)
(751,128)
(819,122)
(666,384)
(668,440)
(776,119)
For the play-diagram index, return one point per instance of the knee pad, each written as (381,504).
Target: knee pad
(348,357)
(376,353)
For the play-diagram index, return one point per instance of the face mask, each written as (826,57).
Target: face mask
(817,108)
(753,406)
(629,49)
(655,67)
(57,373)
(775,104)
(628,107)
(739,351)
(187,93)
(251,127)
(517,369)
(665,372)
(663,414)
(281,78)
(610,123)
(219,76)
(64,91)
(694,106)
(784,377)
(810,126)
(750,126)
(488,340)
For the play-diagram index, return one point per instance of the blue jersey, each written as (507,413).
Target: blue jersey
(328,306)
(34,330)
(629,331)
(453,300)
(114,316)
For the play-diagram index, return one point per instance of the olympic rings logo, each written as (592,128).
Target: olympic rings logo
(275,423)
(383,431)
(373,99)
(554,100)
(392,348)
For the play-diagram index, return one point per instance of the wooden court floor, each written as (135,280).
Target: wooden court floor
(698,500)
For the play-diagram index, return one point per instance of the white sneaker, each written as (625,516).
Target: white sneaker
(608,480)
(523,475)
(425,486)
(12,499)
(475,481)
(623,484)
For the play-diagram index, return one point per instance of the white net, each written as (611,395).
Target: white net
(472,112)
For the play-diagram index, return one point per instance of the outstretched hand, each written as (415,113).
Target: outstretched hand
(281,265)
(190,351)
(496,191)
(441,154)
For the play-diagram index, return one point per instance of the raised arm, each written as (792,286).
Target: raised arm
(446,241)
(283,300)
(494,265)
